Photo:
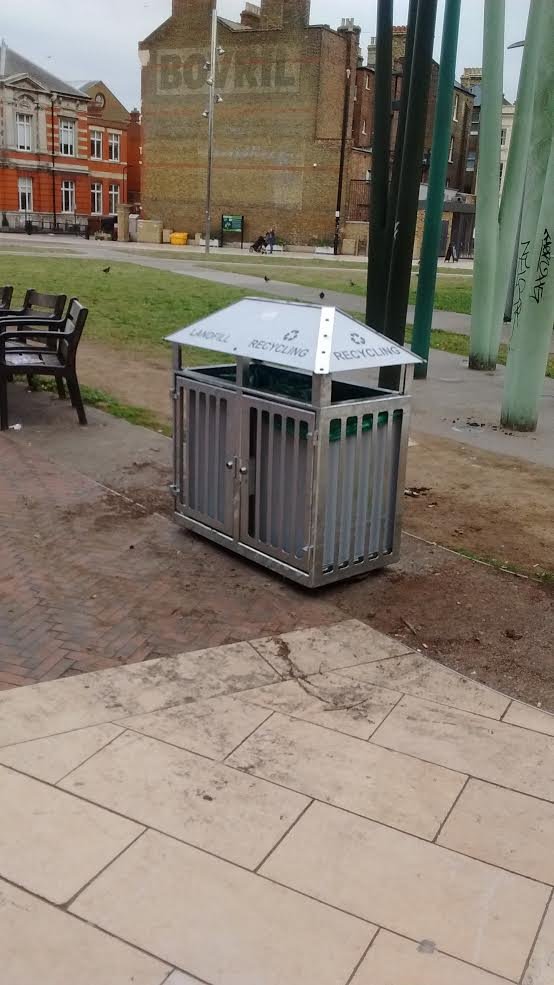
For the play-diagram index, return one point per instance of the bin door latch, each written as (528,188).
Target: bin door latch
(230,464)
(243,470)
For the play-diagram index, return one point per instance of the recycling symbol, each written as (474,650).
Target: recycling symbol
(291,336)
(357,339)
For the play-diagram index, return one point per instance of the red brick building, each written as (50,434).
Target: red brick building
(63,148)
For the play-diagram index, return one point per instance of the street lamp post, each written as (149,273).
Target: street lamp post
(211,107)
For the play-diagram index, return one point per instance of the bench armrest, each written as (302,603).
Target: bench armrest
(38,335)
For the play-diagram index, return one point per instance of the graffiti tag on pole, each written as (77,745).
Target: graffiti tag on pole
(521,280)
(543,266)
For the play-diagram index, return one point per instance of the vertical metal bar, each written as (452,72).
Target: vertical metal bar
(258,467)
(211,111)
(269,499)
(340,491)
(295,504)
(218,463)
(386,498)
(370,483)
(356,489)
(207,452)
(280,531)
(197,425)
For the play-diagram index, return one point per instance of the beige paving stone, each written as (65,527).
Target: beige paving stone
(424,678)
(52,843)
(541,966)
(224,925)
(469,910)
(107,695)
(528,717)
(329,700)
(488,750)
(51,758)
(212,727)
(341,770)
(40,944)
(189,797)
(505,828)
(313,651)
(178,978)
(394,960)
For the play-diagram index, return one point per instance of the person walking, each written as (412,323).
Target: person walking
(270,239)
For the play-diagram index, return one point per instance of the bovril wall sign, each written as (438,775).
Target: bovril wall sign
(260,69)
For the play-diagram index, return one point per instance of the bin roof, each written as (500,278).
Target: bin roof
(309,337)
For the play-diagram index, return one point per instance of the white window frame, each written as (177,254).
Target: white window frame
(95,140)
(367,80)
(503,136)
(114,197)
(67,136)
(24,131)
(96,198)
(68,189)
(364,127)
(114,144)
(451,150)
(456,106)
(25,194)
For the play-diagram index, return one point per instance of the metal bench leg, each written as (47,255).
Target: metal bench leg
(31,383)
(3,404)
(60,388)
(76,399)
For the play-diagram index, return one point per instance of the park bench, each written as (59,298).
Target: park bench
(6,294)
(39,307)
(49,350)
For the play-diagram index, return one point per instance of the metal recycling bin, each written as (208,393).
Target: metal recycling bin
(289,455)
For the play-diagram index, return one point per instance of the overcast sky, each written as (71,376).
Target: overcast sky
(97,39)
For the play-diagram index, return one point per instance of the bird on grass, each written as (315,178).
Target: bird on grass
(322,295)
(352,283)
(266,278)
(106,270)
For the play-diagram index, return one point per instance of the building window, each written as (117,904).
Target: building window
(68,196)
(25,189)
(114,199)
(501,171)
(364,126)
(24,132)
(113,146)
(475,114)
(451,151)
(96,198)
(503,137)
(96,144)
(471,158)
(67,137)
(456,104)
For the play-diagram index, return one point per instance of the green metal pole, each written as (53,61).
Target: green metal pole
(435,193)
(376,279)
(488,178)
(399,274)
(514,179)
(533,310)
(532,334)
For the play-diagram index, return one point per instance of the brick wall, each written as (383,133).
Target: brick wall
(277,131)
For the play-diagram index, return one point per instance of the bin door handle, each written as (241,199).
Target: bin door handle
(243,470)
(230,464)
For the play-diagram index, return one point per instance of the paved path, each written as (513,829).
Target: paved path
(320,808)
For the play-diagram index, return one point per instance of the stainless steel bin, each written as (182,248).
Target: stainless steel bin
(289,455)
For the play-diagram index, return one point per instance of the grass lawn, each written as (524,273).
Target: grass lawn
(129,306)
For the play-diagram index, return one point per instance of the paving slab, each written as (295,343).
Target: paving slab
(504,754)
(41,944)
(52,758)
(531,718)
(328,700)
(213,728)
(314,651)
(52,843)
(506,828)
(220,923)
(394,960)
(540,970)
(474,912)
(341,770)
(102,696)
(424,678)
(237,817)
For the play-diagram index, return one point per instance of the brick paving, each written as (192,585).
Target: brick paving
(91,580)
